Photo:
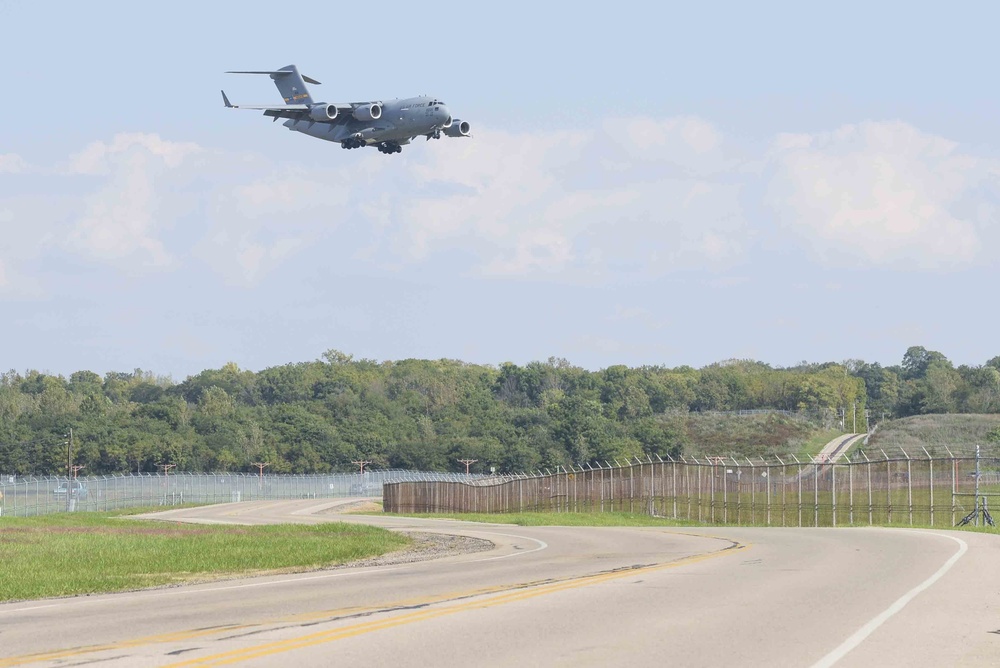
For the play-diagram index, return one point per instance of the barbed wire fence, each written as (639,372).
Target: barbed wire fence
(863,490)
(28,496)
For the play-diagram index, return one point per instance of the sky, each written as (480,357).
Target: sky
(647,184)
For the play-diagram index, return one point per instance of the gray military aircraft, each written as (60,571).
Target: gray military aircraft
(385,125)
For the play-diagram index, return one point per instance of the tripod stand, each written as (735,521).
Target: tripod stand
(973,517)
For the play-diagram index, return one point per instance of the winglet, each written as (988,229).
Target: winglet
(226,100)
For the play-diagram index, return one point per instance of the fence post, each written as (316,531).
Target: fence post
(673,486)
(725,495)
(888,489)
(870,498)
(687,488)
(833,491)
(699,492)
(799,478)
(711,490)
(954,482)
(784,489)
(602,485)
(909,485)
(816,494)
(631,488)
(850,491)
(930,464)
(768,486)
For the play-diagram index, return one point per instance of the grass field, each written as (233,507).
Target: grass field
(936,433)
(615,519)
(748,435)
(83,553)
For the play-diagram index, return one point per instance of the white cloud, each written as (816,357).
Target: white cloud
(12,163)
(122,221)
(257,226)
(884,193)
(683,140)
(102,157)
(637,197)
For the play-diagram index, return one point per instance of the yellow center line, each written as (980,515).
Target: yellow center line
(321,637)
(135,642)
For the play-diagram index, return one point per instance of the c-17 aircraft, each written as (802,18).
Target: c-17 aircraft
(385,125)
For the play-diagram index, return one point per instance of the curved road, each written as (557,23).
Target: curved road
(555,596)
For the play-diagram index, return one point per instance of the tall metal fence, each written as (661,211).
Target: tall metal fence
(39,496)
(717,490)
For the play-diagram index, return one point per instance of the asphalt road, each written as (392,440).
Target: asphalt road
(835,449)
(555,596)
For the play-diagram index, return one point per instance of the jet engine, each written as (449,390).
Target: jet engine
(368,112)
(323,112)
(458,129)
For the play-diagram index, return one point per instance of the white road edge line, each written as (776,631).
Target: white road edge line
(542,545)
(861,634)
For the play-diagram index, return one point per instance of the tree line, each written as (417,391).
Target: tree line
(323,415)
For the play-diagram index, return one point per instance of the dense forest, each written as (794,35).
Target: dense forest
(420,414)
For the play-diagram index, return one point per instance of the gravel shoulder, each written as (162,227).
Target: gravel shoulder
(425,545)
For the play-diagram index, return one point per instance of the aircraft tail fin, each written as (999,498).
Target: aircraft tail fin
(289,82)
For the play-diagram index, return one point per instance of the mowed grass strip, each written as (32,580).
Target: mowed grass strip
(609,519)
(87,553)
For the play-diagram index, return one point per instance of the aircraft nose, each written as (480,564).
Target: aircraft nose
(444,114)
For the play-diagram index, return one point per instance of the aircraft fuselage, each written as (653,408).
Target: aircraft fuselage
(401,120)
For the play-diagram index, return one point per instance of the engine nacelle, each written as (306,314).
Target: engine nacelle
(458,129)
(323,112)
(368,112)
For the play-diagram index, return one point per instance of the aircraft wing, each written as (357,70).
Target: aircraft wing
(275,107)
(294,111)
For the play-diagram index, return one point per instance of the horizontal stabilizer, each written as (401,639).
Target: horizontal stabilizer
(271,107)
(275,73)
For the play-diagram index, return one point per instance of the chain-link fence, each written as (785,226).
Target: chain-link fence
(721,490)
(39,496)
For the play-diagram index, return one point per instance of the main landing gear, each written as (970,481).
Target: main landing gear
(390,147)
(352,142)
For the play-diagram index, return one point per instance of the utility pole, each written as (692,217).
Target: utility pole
(76,468)
(166,468)
(855,410)
(467,463)
(362,463)
(69,454)
(260,466)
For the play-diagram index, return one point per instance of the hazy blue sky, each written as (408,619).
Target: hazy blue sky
(648,183)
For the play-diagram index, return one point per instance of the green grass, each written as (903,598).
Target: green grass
(613,519)
(760,435)
(936,433)
(617,519)
(72,554)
